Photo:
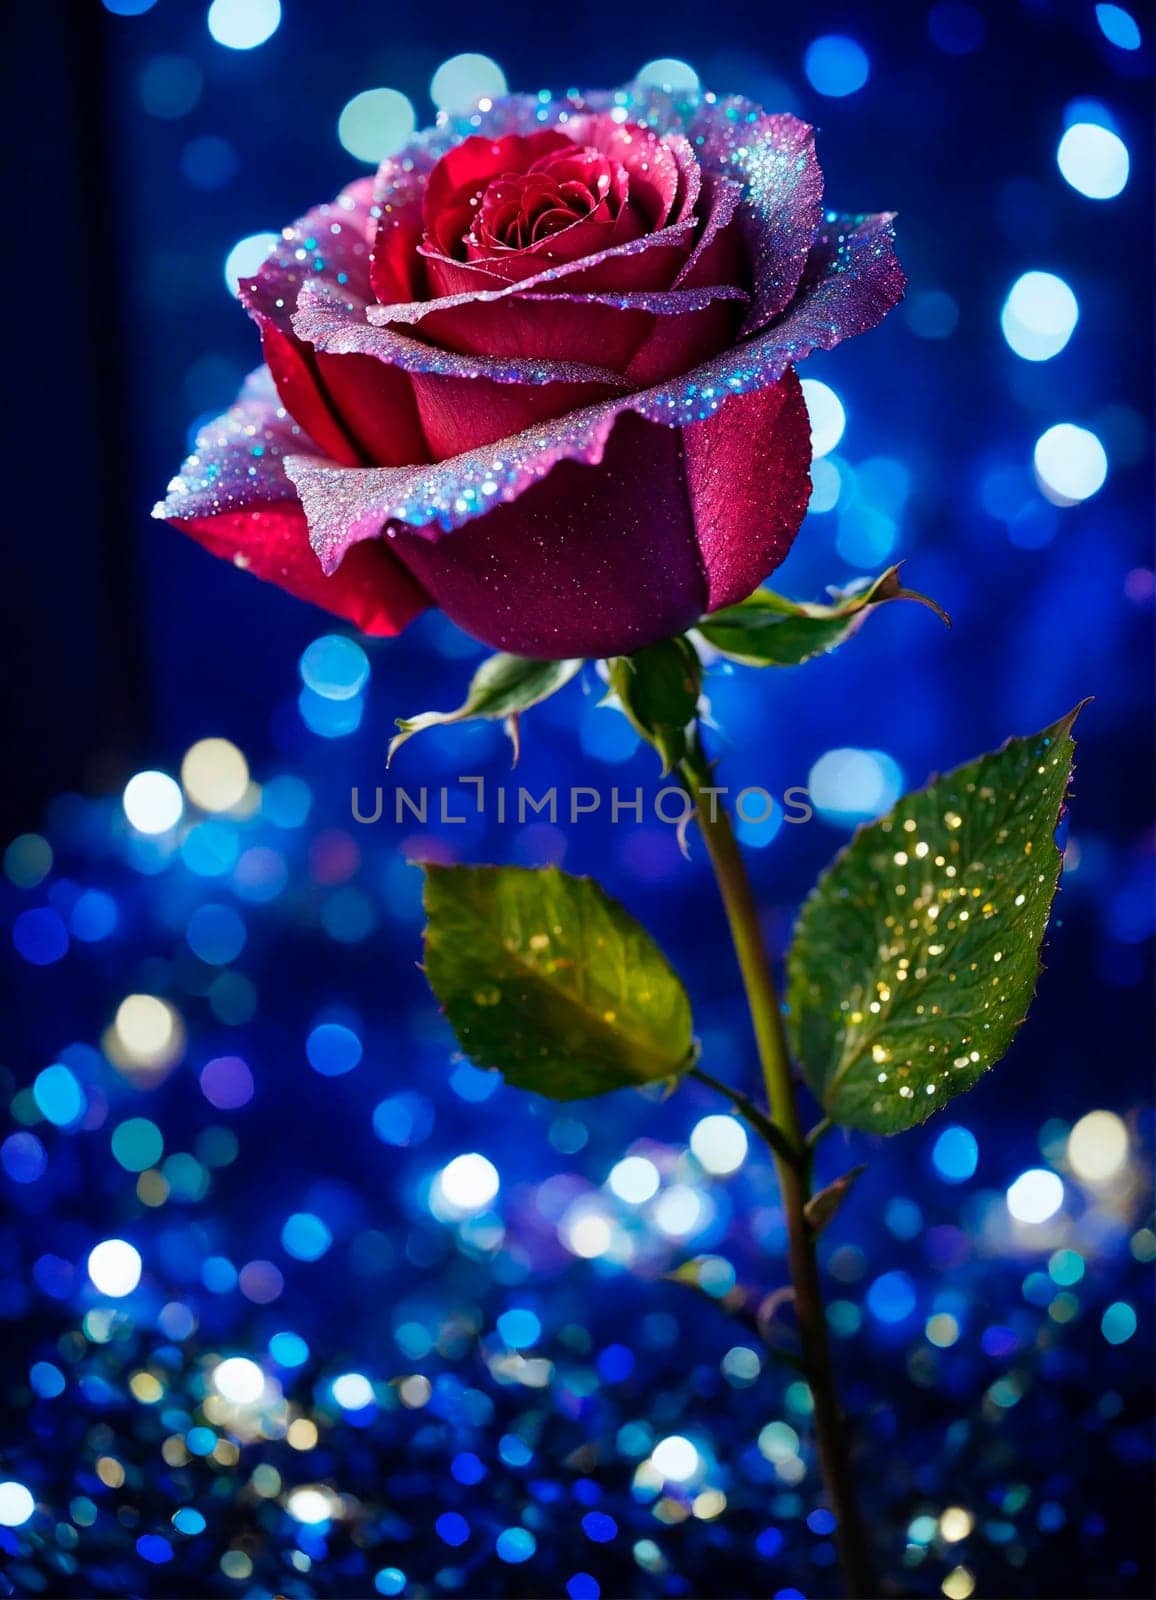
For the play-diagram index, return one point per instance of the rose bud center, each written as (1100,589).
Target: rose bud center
(519,209)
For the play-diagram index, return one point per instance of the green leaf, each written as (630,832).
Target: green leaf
(658,690)
(825,1204)
(545,977)
(501,688)
(916,955)
(768,630)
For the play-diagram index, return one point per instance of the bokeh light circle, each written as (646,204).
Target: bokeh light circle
(463,80)
(114,1268)
(375,124)
(1070,464)
(1039,316)
(836,66)
(669,73)
(243,24)
(1094,160)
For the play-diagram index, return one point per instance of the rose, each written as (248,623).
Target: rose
(540,372)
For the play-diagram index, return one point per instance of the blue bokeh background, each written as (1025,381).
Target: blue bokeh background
(125,644)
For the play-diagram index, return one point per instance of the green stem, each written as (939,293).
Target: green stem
(794,1180)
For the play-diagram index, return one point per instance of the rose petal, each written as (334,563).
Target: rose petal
(562,327)
(648,262)
(583,564)
(293,367)
(462,401)
(774,158)
(239,458)
(396,271)
(329,244)
(471,164)
(718,255)
(748,480)
(338,325)
(232,495)
(345,506)
(678,344)
(852,281)
(661,172)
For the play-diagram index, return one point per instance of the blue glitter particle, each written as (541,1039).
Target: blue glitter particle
(403,1119)
(891,1298)
(59,1096)
(94,917)
(334,667)
(955,1155)
(1118,1323)
(903,1217)
(23,1157)
(452,1529)
(599,1528)
(288,1349)
(330,719)
(40,936)
(390,1580)
(333,1049)
(188,1521)
(615,1363)
(515,1452)
(822,1521)
(218,1275)
(583,1587)
(519,1329)
(467,1468)
(305,1237)
(216,934)
(516,1545)
(200,1441)
(769,1543)
(836,65)
(47,1380)
(1118,27)
(153,1549)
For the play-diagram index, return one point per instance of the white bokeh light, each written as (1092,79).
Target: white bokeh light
(463,80)
(469,1183)
(1094,160)
(215,774)
(114,1268)
(668,72)
(240,1380)
(312,1503)
(1071,464)
(16,1504)
(826,486)
(675,1459)
(244,24)
(153,802)
(353,1391)
(1035,1196)
(634,1179)
(680,1212)
(828,418)
(376,123)
(1039,316)
(1098,1147)
(850,785)
(246,256)
(586,1230)
(719,1144)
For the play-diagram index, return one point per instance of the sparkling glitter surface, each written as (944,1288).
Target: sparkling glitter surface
(297,1302)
